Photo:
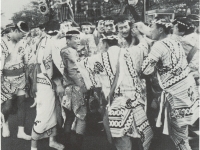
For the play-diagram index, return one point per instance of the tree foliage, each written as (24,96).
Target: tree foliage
(30,14)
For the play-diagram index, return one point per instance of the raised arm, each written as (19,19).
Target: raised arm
(150,61)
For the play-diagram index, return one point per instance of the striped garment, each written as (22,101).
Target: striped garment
(178,85)
(13,68)
(126,114)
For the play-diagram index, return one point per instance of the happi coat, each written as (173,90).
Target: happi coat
(45,121)
(74,96)
(13,68)
(178,85)
(126,113)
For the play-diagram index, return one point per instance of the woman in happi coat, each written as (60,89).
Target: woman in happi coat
(179,95)
(73,100)
(46,120)
(126,114)
(13,80)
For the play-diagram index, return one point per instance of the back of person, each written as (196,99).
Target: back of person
(173,60)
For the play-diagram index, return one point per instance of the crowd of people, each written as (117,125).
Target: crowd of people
(136,76)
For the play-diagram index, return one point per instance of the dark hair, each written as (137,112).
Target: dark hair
(67,20)
(121,19)
(109,18)
(110,42)
(194,19)
(41,26)
(166,29)
(184,25)
(34,27)
(85,23)
(99,18)
(52,26)
(70,33)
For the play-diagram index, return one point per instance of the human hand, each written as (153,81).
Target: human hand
(136,32)
(143,28)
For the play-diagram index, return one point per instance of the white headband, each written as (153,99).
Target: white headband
(161,21)
(72,34)
(109,21)
(82,26)
(50,32)
(125,21)
(185,25)
(111,37)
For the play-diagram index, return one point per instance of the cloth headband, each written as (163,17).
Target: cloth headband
(109,21)
(100,21)
(10,26)
(50,32)
(162,22)
(112,37)
(82,26)
(72,34)
(188,26)
(125,21)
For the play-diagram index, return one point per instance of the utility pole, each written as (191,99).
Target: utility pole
(144,2)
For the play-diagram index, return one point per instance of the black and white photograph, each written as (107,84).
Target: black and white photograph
(100,74)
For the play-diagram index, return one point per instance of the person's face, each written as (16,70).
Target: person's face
(17,35)
(109,26)
(86,29)
(74,42)
(104,46)
(33,33)
(155,34)
(37,32)
(100,26)
(66,26)
(124,29)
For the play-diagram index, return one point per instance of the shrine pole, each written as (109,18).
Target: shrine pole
(144,2)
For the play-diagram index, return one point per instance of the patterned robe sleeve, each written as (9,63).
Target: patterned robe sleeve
(47,60)
(156,53)
(4,52)
(89,67)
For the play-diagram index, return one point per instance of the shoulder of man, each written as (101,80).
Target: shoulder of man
(68,50)
(64,49)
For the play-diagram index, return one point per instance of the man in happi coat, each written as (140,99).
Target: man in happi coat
(73,100)
(126,37)
(46,120)
(126,114)
(13,80)
(99,29)
(88,46)
(109,28)
(179,97)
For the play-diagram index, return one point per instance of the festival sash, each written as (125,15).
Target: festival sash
(110,99)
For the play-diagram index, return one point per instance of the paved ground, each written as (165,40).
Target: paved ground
(94,140)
